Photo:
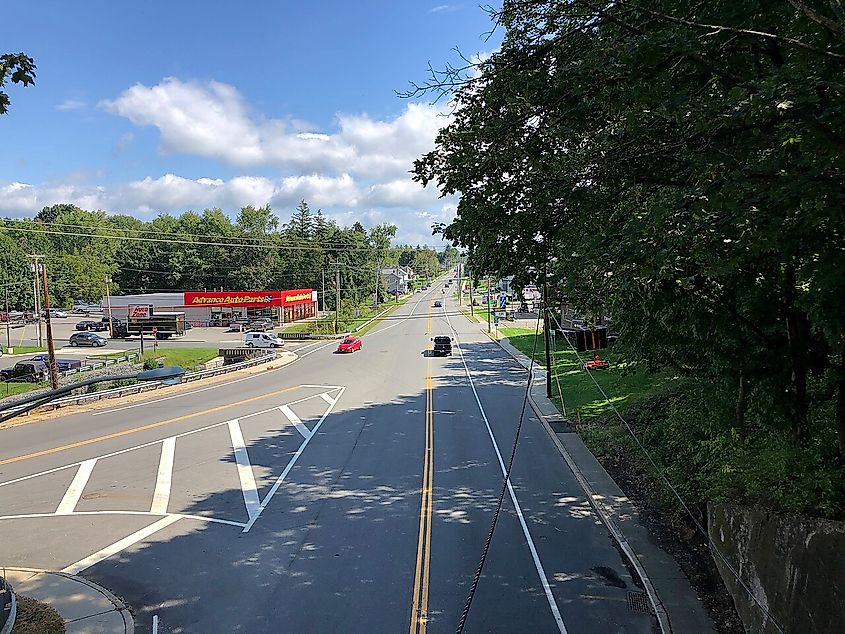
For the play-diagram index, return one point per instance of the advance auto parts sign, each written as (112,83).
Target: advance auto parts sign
(232,298)
(253,299)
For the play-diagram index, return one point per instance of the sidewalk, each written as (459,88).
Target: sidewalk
(674,601)
(86,607)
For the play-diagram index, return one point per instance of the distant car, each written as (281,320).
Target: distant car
(57,313)
(261,324)
(87,339)
(350,344)
(87,324)
(438,303)
(61,364)
(25,372)
(262,340)
(442,346)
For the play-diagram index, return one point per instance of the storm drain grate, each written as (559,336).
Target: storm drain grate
(638,602)
(560,426)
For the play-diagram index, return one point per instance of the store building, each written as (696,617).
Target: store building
(220,308)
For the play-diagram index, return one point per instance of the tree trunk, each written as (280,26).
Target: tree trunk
(797,332)
(740,406)
(839,414)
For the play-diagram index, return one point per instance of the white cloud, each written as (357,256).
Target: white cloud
(71,104)
(213,120)
(340,197)
(444,8)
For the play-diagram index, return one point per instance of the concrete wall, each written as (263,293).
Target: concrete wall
(794,565)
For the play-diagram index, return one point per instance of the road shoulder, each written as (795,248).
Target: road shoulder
(676,605)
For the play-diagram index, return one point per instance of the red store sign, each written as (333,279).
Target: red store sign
(251,299)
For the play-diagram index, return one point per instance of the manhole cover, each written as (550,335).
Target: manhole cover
(638,602)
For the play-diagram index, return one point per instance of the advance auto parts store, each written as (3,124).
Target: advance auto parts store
(204,308)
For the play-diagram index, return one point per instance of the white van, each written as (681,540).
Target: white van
(262,340)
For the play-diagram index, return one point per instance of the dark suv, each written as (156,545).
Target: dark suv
(442,346)
(25,372)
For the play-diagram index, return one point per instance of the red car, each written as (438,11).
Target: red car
(350,344)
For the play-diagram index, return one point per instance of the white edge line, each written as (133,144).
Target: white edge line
(534,554)
(161,495)
(121,544)
(289,466)
(295,420)
(76,487)
(187,516)
(245,474)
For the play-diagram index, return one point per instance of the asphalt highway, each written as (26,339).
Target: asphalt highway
(340,493)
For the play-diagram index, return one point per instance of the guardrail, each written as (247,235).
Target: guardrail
(96,365)
(146,386)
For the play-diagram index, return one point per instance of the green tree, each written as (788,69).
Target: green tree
(16,68)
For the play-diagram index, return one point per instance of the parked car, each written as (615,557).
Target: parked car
(57,313)
(87,324)
(438,303)
(87,339)
(260,324)
(442,346)
(63,365)
(350,344)
(25,372)
(262,340)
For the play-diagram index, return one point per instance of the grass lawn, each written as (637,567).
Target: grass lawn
(28,349)
(573,388)
(188,358)
(9,389)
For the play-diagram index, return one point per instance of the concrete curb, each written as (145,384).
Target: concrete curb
(687,611)
(77,594)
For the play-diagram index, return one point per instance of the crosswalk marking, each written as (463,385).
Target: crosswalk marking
(328,399)
(161,496)
(77,486)
(247,478)
(293,418)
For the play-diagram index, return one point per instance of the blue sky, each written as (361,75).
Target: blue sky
(156,107)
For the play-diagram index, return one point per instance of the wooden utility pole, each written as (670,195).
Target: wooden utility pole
(546,334)
(108,304)
(488,304)
(323,272)
(34,269)
(51,349)
(8,320)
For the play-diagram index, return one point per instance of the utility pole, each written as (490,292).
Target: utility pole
(488,304)
(51,349)
(108,304)
(375,290)
(471,302)
(460,287)
(34,268)
(546,333)
(8,320)
(397,283)
(337,291)
(323,272)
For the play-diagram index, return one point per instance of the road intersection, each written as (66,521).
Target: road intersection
(338,493)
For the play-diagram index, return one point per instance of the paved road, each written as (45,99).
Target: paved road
(337,494)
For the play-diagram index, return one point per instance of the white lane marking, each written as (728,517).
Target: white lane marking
(325,387)
(247,478)
(293,418)
(161,496)
(204,389)
(534,555)
(328,399)
(187,516)
(290,465)
(77,485)
(141,446)
(126,542)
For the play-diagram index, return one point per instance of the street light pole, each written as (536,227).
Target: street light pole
(108,304)
(8,320)
(34,268)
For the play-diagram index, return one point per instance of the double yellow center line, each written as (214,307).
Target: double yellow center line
(419,610)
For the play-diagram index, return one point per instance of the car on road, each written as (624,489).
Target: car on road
(262,340)
(350,344)
(25,372)
(442,346)
(87,339)
(88,324)
(63,365)
(438,303)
